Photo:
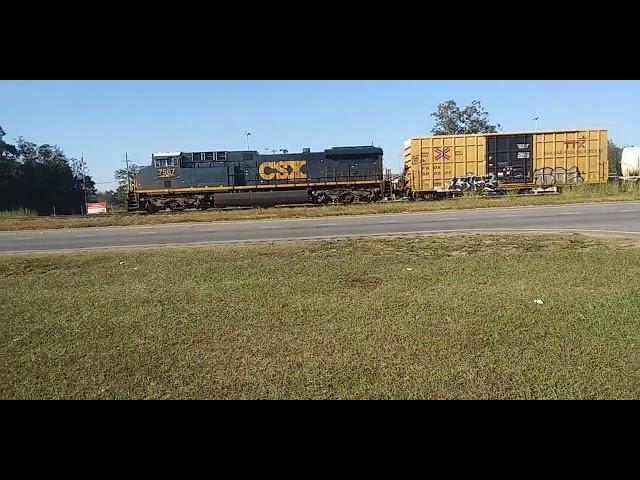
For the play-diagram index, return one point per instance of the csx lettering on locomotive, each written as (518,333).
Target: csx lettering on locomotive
(282,170)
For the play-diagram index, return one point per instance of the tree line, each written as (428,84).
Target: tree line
(41,178)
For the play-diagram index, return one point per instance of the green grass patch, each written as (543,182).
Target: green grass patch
(586,193)
(426,317)
(17,213)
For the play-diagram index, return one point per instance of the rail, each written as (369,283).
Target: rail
(289,205)
(168,212)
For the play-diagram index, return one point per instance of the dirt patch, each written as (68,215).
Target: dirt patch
(26,268)
(362,281)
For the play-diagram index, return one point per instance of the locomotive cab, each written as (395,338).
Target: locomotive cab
(166,165)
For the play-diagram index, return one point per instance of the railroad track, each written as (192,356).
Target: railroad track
(296,205)
(167,212)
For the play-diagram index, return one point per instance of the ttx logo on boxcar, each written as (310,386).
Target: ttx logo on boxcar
(576,144)
(282,170)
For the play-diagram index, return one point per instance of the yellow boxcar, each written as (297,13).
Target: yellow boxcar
(522,160)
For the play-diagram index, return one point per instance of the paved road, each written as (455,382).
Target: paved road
(621,218)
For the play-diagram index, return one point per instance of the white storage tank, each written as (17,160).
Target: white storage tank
(630,162)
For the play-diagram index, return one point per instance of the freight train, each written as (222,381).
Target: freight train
(435,167)
(199,180)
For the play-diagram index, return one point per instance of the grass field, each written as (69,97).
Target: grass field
(427,317)
(17,213)
(598,193)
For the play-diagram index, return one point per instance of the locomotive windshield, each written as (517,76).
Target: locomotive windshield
(161,160)
(166,162)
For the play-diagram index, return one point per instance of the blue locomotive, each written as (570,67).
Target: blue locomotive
(199,180)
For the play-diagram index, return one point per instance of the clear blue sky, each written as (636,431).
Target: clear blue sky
(104,119)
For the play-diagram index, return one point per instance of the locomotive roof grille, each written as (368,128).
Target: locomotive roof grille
(360,150)
(165,154)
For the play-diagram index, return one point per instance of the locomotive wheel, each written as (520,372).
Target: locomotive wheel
(150,208)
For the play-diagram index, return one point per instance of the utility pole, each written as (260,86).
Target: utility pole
(84,185)
(126,160)
(247,135)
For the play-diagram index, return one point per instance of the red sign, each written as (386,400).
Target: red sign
(100,207)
